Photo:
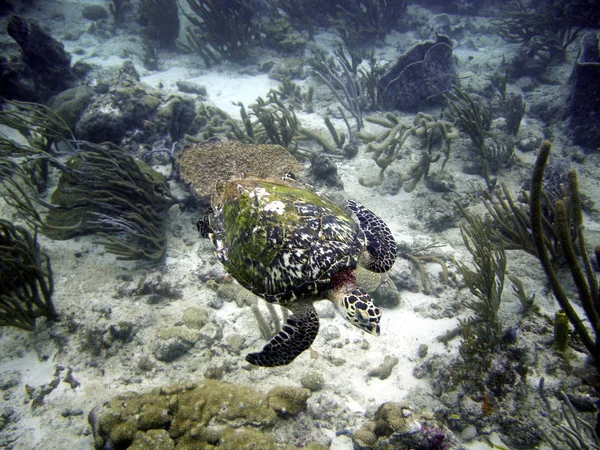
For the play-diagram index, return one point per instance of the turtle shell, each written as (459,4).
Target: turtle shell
(281,241)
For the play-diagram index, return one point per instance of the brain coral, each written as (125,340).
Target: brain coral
(203,165)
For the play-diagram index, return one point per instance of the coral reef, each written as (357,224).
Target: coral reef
(132,112)
(162,19)
(420,77)
(212,414)
(45,67)
(396,426)
(202,165)
(584,101)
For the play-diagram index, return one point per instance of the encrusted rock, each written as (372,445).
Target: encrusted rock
(174,342)
(288,400)
(203,165)
(166,418)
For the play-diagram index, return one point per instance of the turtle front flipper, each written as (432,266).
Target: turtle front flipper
(381,246)
(297,335)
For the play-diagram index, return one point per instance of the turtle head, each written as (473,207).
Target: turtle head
(354,303)
(358,308)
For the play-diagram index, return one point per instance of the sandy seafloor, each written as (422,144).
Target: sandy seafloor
(87,279)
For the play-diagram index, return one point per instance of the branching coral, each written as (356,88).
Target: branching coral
(26,285)
(418,259)
(575,254)
(341,77)
(274,123)
(386,146)
(475,120)
(577,434)
(486,283)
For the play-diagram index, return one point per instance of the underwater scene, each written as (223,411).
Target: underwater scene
(300,224)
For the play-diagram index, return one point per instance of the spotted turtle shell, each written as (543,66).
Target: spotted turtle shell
(282,241)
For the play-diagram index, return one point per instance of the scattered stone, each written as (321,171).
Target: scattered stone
(94,12)
(216,302)
(195,318)
(469,433)
(10,379)
(145,364)
(122,331)
(189,87)
(236,343)
(168,350)
(384,370)
(399,427)
(422,351)
(313,381)
(174,342)
(324,171)
(330,333)
(70,379)
(71,412)
(210,334)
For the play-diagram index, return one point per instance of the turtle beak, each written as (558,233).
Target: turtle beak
(368,323)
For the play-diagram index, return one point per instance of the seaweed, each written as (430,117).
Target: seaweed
(105,191)
(162,19)
(118,9)
(368,20)
(556,23)
(26,283)
(102,189)
(221,29)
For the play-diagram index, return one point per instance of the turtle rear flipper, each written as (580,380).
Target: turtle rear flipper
(381,246)
(297,335)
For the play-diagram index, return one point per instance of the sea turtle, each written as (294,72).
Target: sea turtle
(292,246)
